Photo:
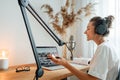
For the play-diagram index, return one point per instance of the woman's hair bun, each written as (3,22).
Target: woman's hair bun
(109,20)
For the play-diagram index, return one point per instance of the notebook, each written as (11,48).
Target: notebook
(46,63)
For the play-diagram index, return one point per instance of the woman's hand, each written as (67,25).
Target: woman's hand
(57,60)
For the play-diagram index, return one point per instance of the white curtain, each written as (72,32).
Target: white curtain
(114,9)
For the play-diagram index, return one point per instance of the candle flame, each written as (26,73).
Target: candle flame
(3,53)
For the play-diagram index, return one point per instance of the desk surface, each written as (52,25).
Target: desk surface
(11,74)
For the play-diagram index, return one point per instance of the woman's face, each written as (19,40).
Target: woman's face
(90,33)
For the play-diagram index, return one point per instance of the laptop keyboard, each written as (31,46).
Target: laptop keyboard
(50,65)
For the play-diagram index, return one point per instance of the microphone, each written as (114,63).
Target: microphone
(71,45)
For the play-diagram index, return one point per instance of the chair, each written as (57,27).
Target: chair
(118,77)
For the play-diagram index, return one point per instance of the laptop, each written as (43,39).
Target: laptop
(46,63)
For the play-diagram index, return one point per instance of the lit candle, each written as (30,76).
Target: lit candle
(3,60)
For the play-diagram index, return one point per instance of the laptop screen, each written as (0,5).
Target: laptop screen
(43,51)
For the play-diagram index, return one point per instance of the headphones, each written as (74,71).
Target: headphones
(101,27)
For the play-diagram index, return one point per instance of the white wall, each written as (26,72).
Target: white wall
(13,35)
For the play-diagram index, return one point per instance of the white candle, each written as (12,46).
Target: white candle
(4,63)
(3,60)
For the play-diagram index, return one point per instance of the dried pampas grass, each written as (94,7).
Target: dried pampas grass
(68,19)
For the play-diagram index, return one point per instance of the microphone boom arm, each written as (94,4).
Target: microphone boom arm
(25,5)
(42,23)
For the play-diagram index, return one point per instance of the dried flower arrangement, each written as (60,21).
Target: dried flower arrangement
(68,18)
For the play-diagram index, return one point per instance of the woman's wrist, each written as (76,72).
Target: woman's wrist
(66,64)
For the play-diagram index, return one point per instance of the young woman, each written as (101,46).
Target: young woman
(105,63)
